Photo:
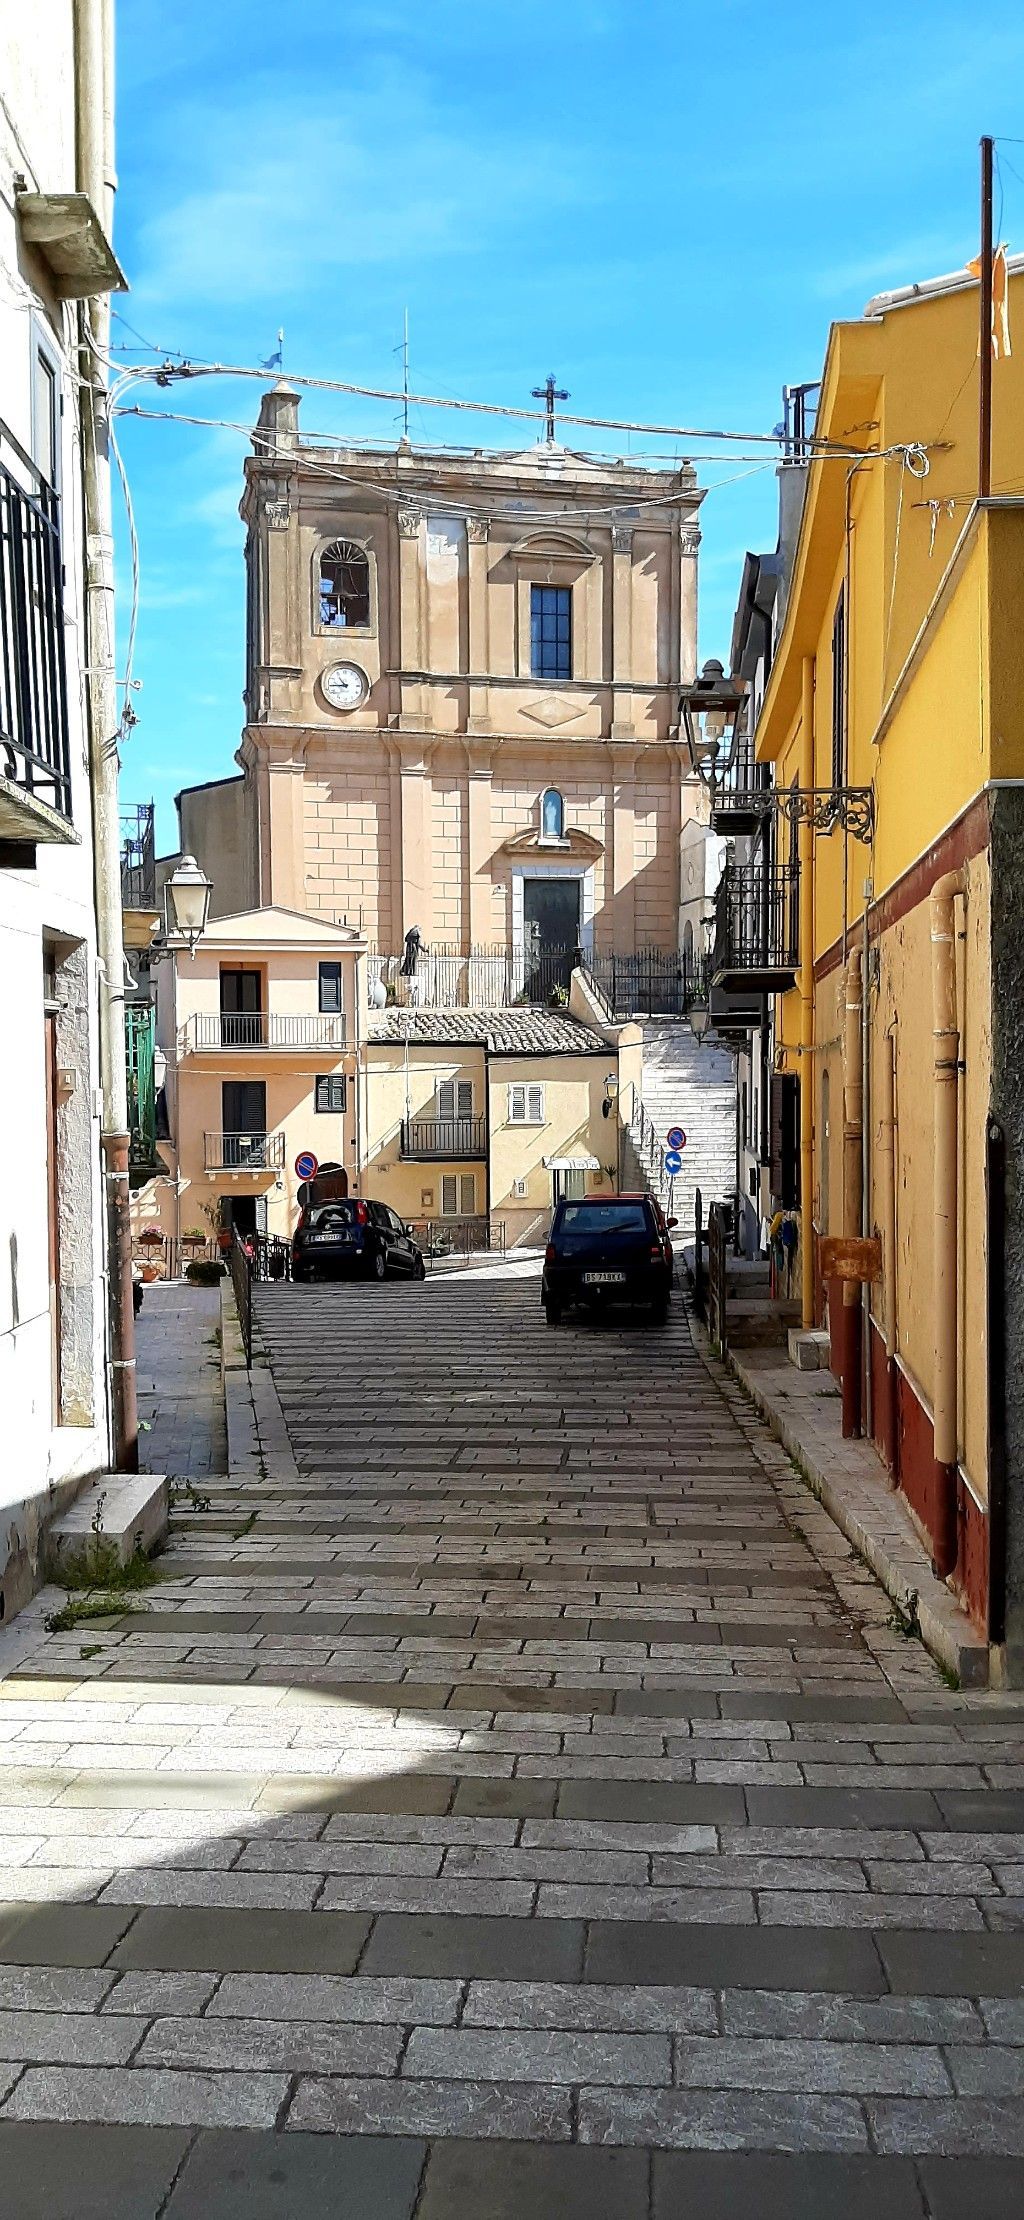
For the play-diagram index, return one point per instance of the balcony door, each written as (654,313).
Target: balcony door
(244,1122)
(241,1018)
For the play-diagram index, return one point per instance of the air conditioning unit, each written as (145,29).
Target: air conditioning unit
(520,1188)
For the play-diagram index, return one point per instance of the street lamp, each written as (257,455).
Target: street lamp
(710,707)
(699,1014)
(187,902)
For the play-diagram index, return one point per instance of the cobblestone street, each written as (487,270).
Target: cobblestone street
(527,1804)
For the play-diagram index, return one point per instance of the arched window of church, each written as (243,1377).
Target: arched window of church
(343,586)
(552,815)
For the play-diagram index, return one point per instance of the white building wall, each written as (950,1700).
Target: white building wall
(49,908)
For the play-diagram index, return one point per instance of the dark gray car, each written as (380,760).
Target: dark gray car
(354,1238)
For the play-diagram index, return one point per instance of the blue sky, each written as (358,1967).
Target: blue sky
(665,201)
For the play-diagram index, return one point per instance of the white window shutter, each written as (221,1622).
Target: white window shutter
(517,1104)
(467,1195)
(535,1111)
(449,1196)
(446,1099)
(465,1098)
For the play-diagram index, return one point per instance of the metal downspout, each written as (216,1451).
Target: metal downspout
(807,1085)
(94,95)
(853,1126)
(887,1211)
(946,1058)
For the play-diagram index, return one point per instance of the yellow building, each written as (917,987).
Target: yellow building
(467,1122)
(895,712)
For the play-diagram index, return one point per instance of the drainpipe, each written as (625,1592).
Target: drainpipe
(946,1057)
(853,1180)
(887,1209)
(806,976)
(94,96)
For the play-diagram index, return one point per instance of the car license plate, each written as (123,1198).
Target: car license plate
(328,1237)
(603,1279)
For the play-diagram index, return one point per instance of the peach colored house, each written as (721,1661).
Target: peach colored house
(462,682)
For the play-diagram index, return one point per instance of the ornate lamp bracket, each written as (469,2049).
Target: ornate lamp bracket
(851,808)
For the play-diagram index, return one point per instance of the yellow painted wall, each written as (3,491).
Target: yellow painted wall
(935,648)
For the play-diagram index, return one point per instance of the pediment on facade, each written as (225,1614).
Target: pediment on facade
(576,846)
(552,547)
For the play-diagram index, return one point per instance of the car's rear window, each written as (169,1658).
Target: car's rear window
(605,1217)
(325,1215)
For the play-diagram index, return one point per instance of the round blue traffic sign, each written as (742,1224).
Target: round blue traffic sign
(306,1164)
(675,1137)
(673,1163)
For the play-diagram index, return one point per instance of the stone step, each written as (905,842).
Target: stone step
(119,1511)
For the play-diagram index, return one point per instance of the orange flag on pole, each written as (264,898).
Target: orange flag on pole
(1000,303)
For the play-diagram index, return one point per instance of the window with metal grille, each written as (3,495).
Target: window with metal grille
(551,631)
(839,691)
(455,1098)
(525,1105)
(343,586)
(330,1090)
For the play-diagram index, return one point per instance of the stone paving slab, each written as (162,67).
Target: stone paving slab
(533,1801)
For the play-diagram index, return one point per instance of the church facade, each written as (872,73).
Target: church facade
(462,675)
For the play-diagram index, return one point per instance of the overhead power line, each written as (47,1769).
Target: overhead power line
(169,372)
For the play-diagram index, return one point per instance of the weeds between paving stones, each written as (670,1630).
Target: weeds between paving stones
(96,1579)
(904,1619)
(186,1488)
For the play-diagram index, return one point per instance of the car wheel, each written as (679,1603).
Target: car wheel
(419,1270)
(553,1313)
(379,1266)
(659,1314)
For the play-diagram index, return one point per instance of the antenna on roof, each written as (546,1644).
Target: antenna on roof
(403,350)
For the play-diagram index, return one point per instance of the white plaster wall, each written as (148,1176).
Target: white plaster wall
(55,900)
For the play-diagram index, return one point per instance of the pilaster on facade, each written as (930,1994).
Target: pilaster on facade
(686,635)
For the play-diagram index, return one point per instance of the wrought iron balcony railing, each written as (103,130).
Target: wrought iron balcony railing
(433,1139)
(264,1029)
(244,1152)
(34,745)
(756,926)
(138,857)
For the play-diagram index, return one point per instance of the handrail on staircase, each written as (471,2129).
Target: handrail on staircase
(640,1123)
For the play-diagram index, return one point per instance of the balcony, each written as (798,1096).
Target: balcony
(261,1029)
(244,1152)
(35,763)
(138,857)
(433,1140)
(756,928)
(742,793)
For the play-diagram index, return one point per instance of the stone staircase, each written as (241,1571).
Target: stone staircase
(694,1087)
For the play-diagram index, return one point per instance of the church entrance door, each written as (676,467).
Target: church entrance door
(551,928)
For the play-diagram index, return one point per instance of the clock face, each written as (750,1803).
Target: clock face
(344,686)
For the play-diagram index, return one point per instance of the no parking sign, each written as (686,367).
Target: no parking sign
(306,1164)
(675,1137)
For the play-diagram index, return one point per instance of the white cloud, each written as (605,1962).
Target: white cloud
(289,192)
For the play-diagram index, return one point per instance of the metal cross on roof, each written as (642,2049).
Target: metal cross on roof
(549,393)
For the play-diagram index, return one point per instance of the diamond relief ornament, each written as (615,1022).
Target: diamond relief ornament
(551,710)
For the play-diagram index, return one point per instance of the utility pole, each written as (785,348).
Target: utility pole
(985,336)
(94,73)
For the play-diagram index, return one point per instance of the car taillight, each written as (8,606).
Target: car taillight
(657,1254)
(549,1253)
(362,1214)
